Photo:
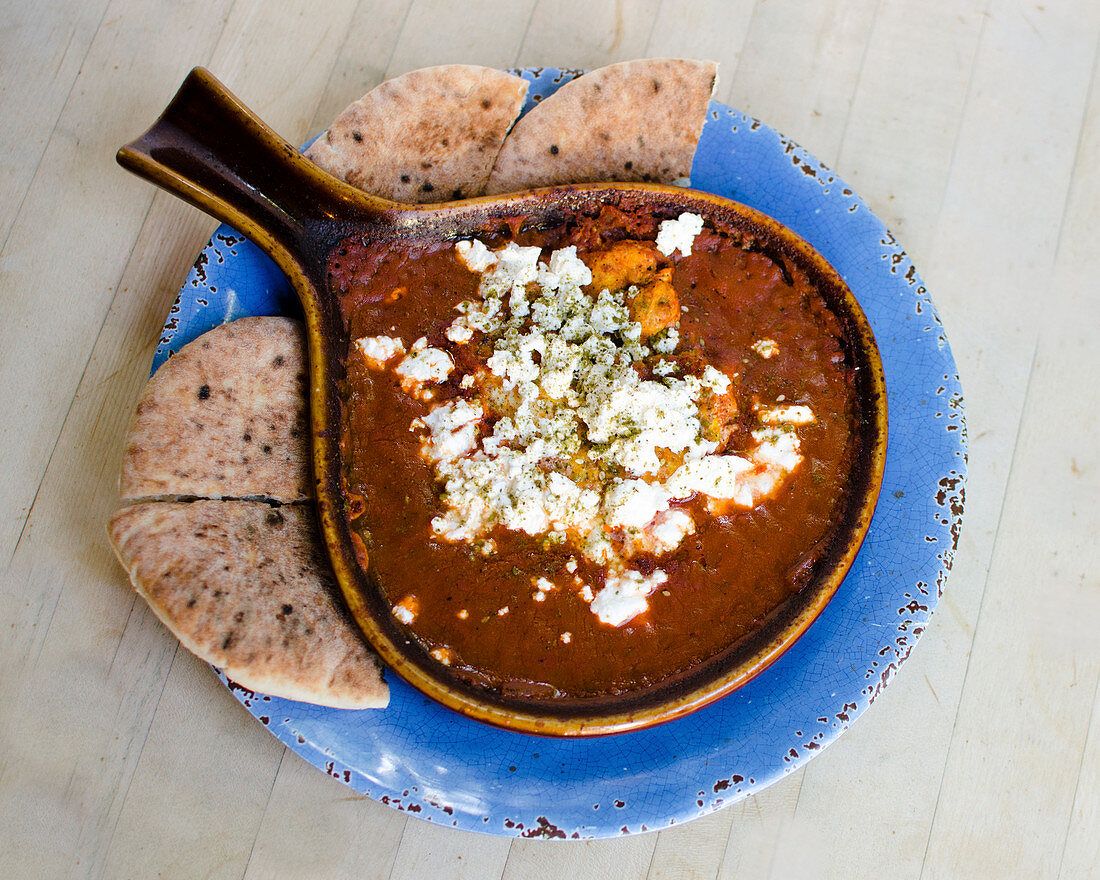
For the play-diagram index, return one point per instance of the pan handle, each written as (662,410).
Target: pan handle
(211,150)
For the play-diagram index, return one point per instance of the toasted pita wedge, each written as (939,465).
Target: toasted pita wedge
(226,417)
(638,120)
(247,587)
(430,135)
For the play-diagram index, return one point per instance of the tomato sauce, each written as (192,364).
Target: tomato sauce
(724,581)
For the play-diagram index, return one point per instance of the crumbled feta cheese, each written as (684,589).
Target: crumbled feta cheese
(425,365)
(463,614)
(610,315)
(716,381)
(377,350)
(566,638)
(624,594)
(667,342)
(453,428)
(679,234)
(565,269)
(515,267)
(460,332)
(717,476)
(475,256)
(632,504)
(668,531)
(786,415)
(502,611)
(406,610)
(564,365)
(765,347)
(777,447)
(442,654)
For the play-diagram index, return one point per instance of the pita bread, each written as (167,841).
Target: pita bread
(427,136)
(248,588)
(638,120)
(226,417)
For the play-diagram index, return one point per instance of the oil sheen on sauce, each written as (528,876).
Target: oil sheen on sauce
(476,605)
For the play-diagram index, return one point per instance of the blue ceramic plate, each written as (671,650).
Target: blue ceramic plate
(421,758)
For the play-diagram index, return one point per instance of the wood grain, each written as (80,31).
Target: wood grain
(971,128)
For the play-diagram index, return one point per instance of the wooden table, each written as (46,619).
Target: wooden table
(972,127)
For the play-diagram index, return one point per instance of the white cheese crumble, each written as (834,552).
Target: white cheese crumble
(765,347)
(377,350)
(425,365)
(453,430)
(716,381)
(624,595)
(443,655)
(406,610)
(786,415)
(566,638)
(679,234)
(564,365)
(632,504)
(475,256)
(668,530)
(666,344)
(459,332)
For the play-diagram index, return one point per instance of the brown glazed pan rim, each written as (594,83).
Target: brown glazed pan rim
(209,149)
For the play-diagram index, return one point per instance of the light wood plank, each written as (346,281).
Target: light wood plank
(82,641)
(53,303)
(204,826)
(556,37)
(576,33)
(439,32)
(881,780)
(1007,796)
(316,827)
(760,825)
(366,54)
(429,850)
(900,138)
(1074,612)
(478,32)
(1082,851)
(623,858)
(44,46)
(714,30)
(340,834)
(284,88)
(693,851)
(800,69)
(73,722)
(84,660)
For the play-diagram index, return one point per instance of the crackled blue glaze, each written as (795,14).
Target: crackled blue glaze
(421,758)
